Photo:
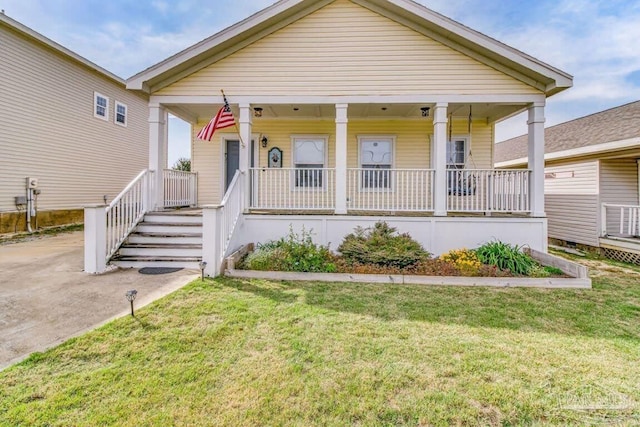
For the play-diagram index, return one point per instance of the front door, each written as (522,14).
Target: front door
(232,164)
(232,161)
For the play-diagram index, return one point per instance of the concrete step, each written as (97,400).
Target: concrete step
(151,238)
(176,251)
(169,229)
(164,218)
(169,262)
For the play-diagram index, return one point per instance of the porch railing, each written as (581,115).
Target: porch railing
(127,210)
(180,188)
(231,210)
(488,190)
(620,220)
(297,189)
(408,190)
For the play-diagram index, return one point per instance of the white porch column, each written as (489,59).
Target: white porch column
(95,239)
(536,158)
(439,154)
(158,118)
(341,158)
(245,125)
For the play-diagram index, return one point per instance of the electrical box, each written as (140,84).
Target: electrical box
(21,200)
(32,183)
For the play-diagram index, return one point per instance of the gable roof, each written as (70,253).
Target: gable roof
(36,37)
(489,51)
(593,134)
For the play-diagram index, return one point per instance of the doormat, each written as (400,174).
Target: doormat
(158,270)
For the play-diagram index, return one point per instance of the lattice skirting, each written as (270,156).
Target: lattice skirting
(622,256)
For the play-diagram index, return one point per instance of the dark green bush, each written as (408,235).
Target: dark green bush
(506,257)
(296,252)
(382,246)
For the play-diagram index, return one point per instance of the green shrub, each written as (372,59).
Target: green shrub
(296,252)
(506,257)
(381,246)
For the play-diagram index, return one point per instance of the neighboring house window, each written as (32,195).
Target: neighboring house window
(100,106)
(376,153)
(121,114)
(309,159)
(457,153)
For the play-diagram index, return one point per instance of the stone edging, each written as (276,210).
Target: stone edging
(496,282)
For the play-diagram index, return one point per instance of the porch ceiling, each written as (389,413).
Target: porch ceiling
(489,112)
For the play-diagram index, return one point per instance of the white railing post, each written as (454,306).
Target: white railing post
(211,240)
(439,152)
(95,239)
(341,159)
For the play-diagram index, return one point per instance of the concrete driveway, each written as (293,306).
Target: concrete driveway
(46,298)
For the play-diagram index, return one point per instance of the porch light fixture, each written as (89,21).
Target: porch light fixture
(257,112)
(131,296)
(264,141)
(425,111)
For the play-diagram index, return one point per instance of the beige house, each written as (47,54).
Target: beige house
(592,195)
(348,112)
(68,125)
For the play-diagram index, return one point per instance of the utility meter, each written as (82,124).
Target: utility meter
(32,183)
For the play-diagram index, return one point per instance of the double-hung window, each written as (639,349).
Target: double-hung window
(309,160)
(121,114)
(100,106)
(460,182)
(376,162)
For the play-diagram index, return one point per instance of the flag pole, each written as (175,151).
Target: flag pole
(234,120)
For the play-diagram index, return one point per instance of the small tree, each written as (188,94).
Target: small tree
(182,164)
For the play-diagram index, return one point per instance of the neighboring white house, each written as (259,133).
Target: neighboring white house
(591,179)
(348,112)
(67,123)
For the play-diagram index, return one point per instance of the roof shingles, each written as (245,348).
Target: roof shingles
(616,124)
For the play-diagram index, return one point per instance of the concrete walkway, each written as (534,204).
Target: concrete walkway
(46,298)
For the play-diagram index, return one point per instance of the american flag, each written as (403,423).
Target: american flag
(223,119)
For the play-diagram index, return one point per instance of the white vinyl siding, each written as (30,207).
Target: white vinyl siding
(346,49)
(619,181)
(571,202)
(77,158)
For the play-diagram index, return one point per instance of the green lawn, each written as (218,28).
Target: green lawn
(233,352)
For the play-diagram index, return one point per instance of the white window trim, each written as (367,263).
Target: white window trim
(126,114)
(325,139)
(467,149)
(392,184)
(95,104)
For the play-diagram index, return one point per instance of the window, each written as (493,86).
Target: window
(309,157)
(121,114)
(376,153)
(457,153)
(100,106)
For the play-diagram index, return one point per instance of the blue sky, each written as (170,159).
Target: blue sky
(595,40)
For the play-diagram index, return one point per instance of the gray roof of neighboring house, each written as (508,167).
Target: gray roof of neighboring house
(616,124)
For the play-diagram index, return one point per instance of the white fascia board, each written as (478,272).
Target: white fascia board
(561,79)
(348,99)
(579,152)
(137,82)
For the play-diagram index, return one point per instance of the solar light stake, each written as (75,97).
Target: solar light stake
(131,296)
(203,265)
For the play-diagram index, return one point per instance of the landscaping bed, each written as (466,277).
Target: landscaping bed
(381,255)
